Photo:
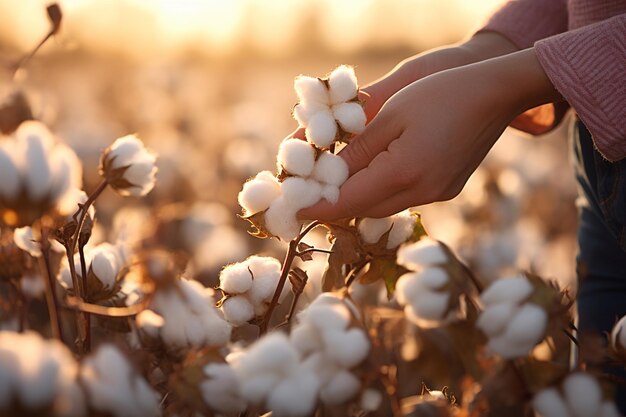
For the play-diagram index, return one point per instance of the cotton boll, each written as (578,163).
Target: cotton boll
(328,317)
(408,287)
(311,90)
(372,230)
(280,220)
(264,265)
(256,388)
(125,149)
(305,338)
(263,289)
(431,305)
(25,240)
(37,175)
(322,129)
(349,348)
(494,319)
(371,399)
(296,156)
(527,325)
(258,193)
(330,193)
(105,264)
(150,322)
(583,395)
(424,252)
(300,193)
(272,353)
(236,278)
(549,403)
(237,310)
(295,396)
(331,169)
(403,225)
(507,290)
(303,112)
(503,346)
(343,84)
(341,388)
(9,186)
(433,278)
(221,390)
(350,116)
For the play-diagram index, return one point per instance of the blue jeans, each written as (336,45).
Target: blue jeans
(601,261)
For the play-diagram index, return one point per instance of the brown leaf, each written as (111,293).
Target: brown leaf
(298,279)
(257,223)
(14,109)
(385,269)
(55,16)
(302,247)
(343,252)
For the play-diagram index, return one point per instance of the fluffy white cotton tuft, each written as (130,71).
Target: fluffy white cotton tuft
(494,319)
(129,168)
(311,90)
(237,310)
(403,226)
(527,325)
(550,404)
(431,305)
(300,193)
(150,322)
(26,241)
(236,278)
(295,396)
(371,399)
(507,290)
(280,220)
(424,252)
(303,112)
(330,193)
(342,387)
(10,184)
(371,230)
(348,348)
(296,156)
(330,169)
(321,129)
(350,116)
(583,394)
(343,84)
(221,389)
(258,193)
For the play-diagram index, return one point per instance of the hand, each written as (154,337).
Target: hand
(429,137)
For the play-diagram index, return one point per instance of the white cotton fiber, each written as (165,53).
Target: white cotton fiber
(302,112)
(258,193)
(371,399)
(236,278)
(272,353)
(408,287)
(305,338)
(350,116)
(343,84)
(494,319)
(256,387)
(403,225)
(322,129)
(341,388)
(311,90)
(502,346)
(583,394)
(527,325)
(263,289)
(296,156)
(424,252)
(105,264)
(295,396)
(549,403)
(221,390)
(263,265)
(149,322)
(618,334)
(431,305)
(330,193)
(25,240)
(433,278)
(507,290)
(372,230)
(330,169)
(609,409)
(280,220)
(237,310)
(9,186)
(327,317)
(348,348)
(300,193)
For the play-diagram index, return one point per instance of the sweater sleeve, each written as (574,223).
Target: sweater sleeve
(588,67)
(523,22)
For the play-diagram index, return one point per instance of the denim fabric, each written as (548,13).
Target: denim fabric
(601,261)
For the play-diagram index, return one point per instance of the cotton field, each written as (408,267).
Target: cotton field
(152,262)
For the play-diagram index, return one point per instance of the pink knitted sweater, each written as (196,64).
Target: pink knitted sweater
(581,45)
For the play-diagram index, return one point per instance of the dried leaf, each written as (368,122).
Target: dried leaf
(303,247)
(257,223)
(343,252)
(14,109)
(298,279)
(55,16)
(418,231)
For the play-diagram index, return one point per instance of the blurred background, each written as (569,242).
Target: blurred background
(208,85)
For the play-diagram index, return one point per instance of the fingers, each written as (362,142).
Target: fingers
(367,188)
(377,135)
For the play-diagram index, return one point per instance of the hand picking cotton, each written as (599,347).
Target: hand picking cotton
(307,171)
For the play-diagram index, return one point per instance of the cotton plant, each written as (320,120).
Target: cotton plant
(248,288)
(398,228)
(105,264)
(183,315)
(579,395)
(430,292)
(128,167)
(38,376)
(39,174)
(518,314)
(306,175)
(114,388)
(329,108)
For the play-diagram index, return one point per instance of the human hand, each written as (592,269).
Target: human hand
(430,136)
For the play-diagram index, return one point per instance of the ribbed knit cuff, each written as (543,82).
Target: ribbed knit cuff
(588,67)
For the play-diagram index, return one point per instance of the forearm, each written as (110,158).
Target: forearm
(480,47)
